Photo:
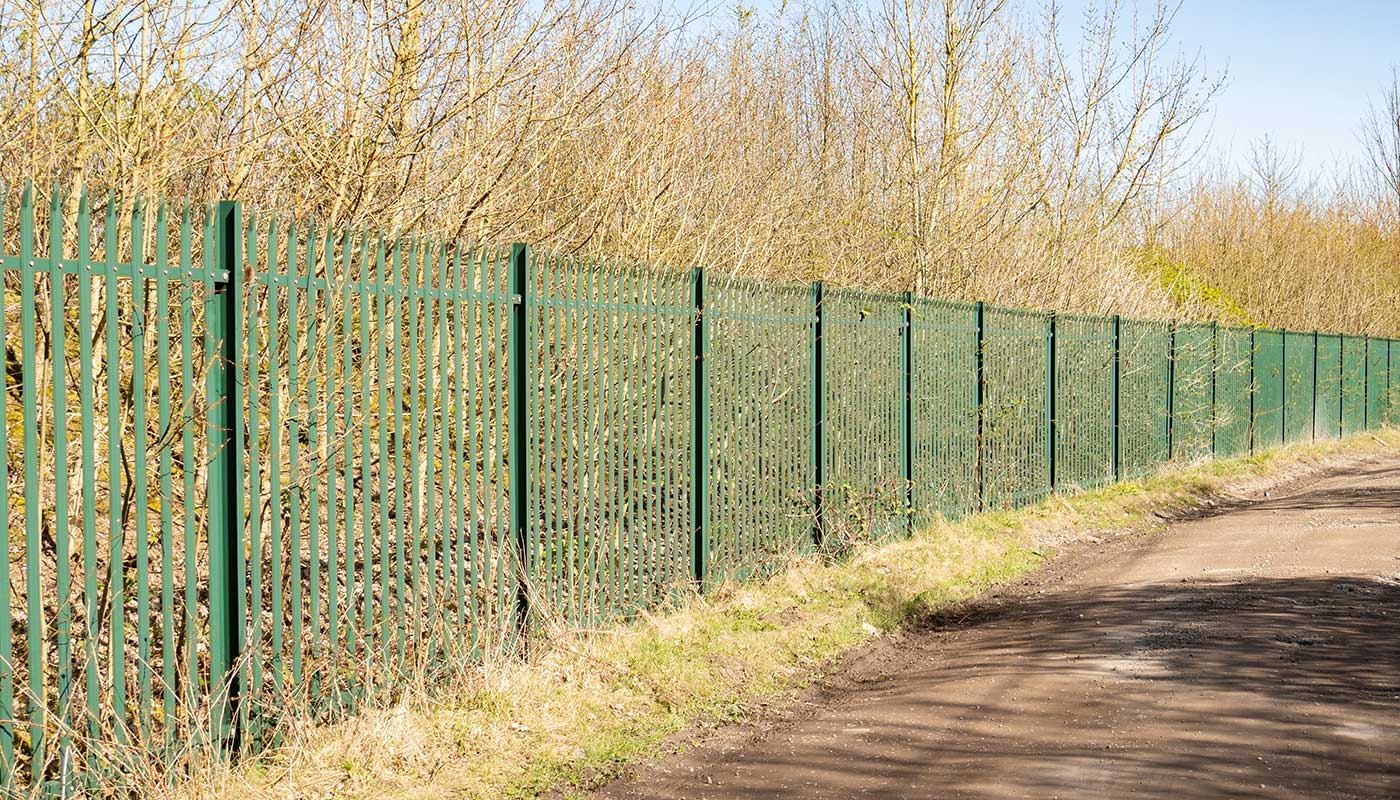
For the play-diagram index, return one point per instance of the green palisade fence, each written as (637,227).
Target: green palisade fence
(1377,378)
(758,359)
(1268,389)
(1144,384)
(1353,384)
(1327,417)
(1015,410)
(1392,407)
(865,490)
(1299,360)
(609,447)
(944,397)
(1192,390)
(256,465)
(1233,379)
(1083,400)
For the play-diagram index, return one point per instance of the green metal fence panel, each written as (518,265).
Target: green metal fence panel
(1015,420)
(378,538)
(865,487)
(1353,384)
(1083,400)
(1327,414)
(102,469)
(1298,363)
(1377,375)
(609,486)
(1191,392)
(1143,385)
(758,360)
(1268,389)
(1233,365)
(944,402)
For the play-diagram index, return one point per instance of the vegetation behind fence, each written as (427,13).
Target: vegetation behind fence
(255,466)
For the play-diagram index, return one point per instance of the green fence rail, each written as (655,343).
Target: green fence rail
(254,465)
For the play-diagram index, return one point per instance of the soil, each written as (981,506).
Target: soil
(1253,651)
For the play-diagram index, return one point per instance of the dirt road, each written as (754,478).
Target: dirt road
(1251,653)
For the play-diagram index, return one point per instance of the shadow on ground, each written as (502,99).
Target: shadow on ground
(1259,688)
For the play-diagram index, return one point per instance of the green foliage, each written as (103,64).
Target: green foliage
(1188,292)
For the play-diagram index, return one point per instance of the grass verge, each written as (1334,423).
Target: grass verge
(585,706)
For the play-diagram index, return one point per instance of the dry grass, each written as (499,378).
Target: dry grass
(1307,259)
(584,706)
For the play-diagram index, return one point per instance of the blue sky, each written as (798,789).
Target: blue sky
(1303,71)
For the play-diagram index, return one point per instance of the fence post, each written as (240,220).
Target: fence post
(1050,398)
(818,368)
(1341,385)
(225,476)
(1113,409)
(1283,386)
(700,443)
(517,335)
(979,394)
(1171,388)
(1251,390)
(908,356)
(1365,383)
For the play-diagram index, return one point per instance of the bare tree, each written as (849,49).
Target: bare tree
(1380,135)
(1273,170)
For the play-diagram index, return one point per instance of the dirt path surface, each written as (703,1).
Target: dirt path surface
(1251,653)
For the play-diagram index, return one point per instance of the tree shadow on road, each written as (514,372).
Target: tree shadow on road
(1258,688)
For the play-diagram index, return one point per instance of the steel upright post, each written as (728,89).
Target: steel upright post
(518,337)
(908,357)
(225,475)
(1252,388)
(1366,383)
(1171,388)
(1113,408)
(979,316)
(1050,381)
(700,448)
(1283,386)
(818,370)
